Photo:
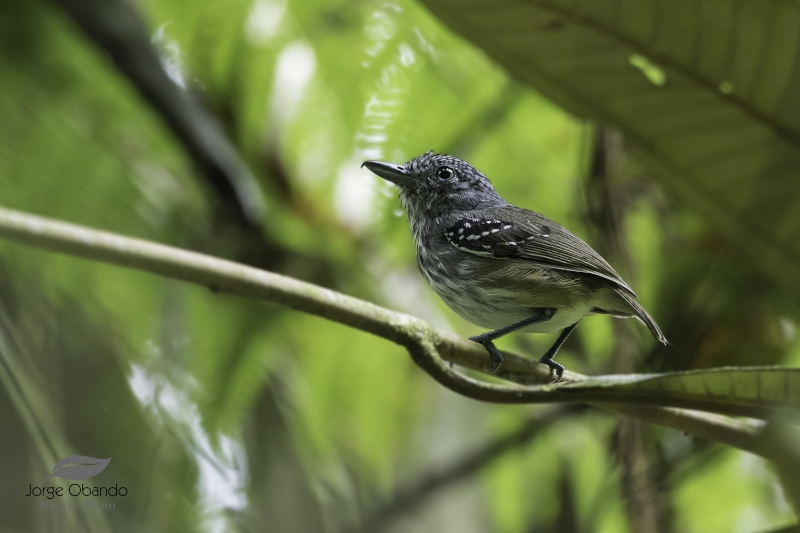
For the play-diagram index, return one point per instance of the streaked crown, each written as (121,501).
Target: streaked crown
(444,183)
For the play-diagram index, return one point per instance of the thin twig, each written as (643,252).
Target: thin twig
(424,342)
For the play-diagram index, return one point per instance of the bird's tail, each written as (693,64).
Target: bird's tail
(643,315)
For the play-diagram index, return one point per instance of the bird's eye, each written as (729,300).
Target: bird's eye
(445,173)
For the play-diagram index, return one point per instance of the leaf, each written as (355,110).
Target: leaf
(707,90)
(738,391)
(90,467)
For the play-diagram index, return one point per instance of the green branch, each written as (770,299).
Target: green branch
(650,398)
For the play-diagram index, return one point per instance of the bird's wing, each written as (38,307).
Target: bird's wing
(515,233)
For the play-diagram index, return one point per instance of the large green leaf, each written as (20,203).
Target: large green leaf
(708,90)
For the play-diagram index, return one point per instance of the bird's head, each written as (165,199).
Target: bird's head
(434,185)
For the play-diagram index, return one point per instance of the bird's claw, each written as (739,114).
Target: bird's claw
(558,368)
(494,354)
(497,358)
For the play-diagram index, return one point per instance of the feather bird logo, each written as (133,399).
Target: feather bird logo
(82,467)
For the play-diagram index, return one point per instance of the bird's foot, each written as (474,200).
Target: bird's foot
(494,353)
(557,367)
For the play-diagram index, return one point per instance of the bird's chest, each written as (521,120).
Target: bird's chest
(440,267)
(484,291)
(451,273)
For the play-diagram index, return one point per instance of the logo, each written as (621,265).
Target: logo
(76,468)
(87,467)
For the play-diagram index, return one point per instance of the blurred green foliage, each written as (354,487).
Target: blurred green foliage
(228,415)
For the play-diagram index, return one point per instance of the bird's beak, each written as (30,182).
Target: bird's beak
(391,172)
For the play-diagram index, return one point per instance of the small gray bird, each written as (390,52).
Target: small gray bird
(499,266)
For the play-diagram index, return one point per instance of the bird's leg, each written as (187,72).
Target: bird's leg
(547,358)
(540,314)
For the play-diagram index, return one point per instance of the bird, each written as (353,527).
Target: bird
(502,267)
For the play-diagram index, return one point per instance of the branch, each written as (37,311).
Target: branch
(116,27)
(425,343)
